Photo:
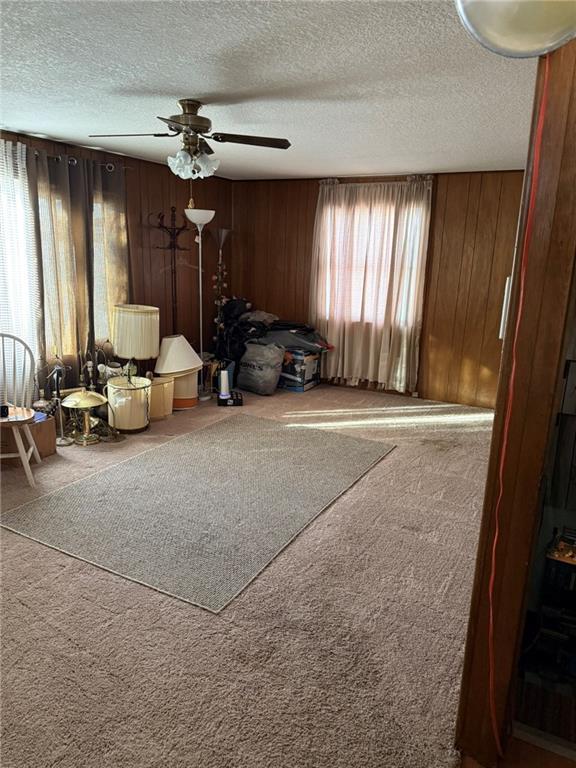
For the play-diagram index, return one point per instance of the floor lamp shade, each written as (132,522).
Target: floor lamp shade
(136,332)
(176,356)
(199,216)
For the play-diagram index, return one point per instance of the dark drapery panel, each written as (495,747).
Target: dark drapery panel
(82,252)
(109,245)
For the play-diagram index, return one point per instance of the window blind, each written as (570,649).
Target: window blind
(20,288)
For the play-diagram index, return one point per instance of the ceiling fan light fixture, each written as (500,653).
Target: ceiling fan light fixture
(197,166)
(207,165)
(180,164)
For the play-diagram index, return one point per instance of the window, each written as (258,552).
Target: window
(368,279)
(20,297)
(359,266)
(102,329)
(59,274)
(60,278)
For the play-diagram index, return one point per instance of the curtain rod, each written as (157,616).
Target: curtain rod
(74,161)
(381,179)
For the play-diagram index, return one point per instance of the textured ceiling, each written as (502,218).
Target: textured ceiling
(359,87)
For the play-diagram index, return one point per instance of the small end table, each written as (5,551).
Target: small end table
(20,419)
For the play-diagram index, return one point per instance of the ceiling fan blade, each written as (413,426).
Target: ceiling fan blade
(106,135)
(256,141)
(176,127)
(205,147)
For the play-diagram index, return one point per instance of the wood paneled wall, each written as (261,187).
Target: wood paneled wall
(471,250)
(271,244)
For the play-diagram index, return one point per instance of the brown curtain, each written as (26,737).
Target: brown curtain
(110,246)
(82,252)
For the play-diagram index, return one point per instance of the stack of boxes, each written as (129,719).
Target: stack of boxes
(300,370)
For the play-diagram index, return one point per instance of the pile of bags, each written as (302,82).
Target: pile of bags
(260,367)
(255,342)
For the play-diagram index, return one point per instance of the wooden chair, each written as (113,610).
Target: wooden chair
(17,389)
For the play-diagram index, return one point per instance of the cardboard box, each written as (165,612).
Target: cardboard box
(43,431)
(300,370)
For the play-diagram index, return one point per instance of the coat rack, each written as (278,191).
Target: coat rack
(173,233)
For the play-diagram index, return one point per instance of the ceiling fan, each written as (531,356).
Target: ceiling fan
(193,160)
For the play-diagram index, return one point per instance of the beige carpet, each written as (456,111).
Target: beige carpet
(201,516)
(343,653)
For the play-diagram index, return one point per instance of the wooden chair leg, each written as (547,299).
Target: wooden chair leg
(32,443)
(23,453)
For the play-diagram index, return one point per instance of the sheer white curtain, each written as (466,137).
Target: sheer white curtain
(367,286)
(20,284)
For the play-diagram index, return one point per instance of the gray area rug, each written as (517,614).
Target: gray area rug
(199,517)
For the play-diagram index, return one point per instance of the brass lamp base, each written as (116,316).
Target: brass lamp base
(87,437)
(85,440)
(83,401)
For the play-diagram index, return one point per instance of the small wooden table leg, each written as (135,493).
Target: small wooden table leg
(23,453)
(32,443)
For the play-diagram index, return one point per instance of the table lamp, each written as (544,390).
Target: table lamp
(84,401)
(136,331)
(178,359)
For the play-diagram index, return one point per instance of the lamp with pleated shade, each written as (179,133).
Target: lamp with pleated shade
(136,331)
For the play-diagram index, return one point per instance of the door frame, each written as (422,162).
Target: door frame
(539,369)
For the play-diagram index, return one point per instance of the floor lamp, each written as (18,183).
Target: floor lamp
(200,217)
